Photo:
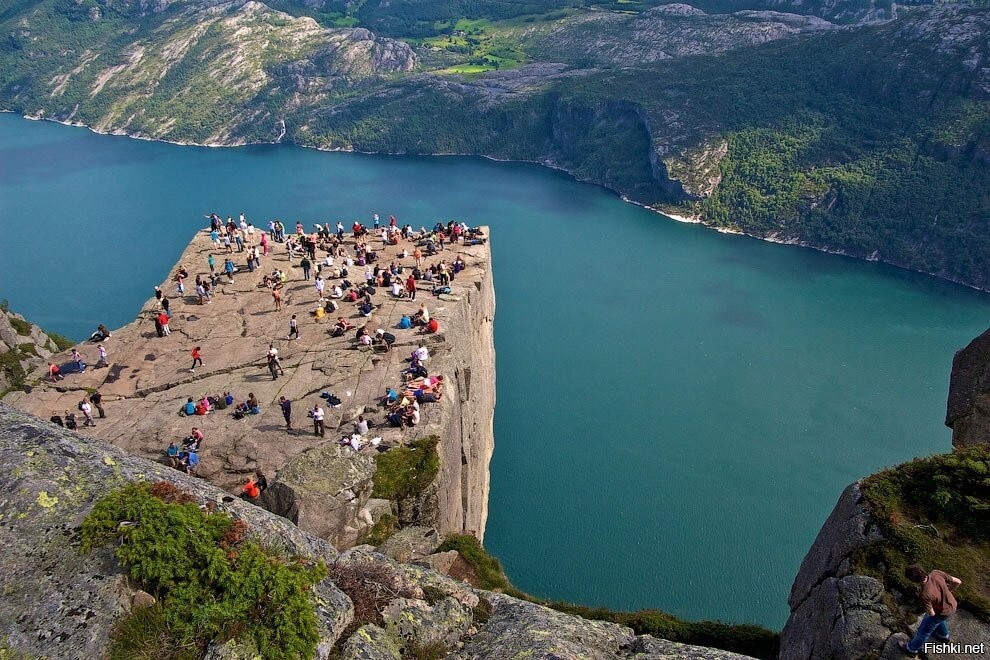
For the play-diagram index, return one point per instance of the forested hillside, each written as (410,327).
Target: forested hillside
(838,128)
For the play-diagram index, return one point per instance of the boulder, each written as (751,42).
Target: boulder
(370,642)
(411,543)
(323,490)
(415,623)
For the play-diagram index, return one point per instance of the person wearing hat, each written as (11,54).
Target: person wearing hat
(384,339)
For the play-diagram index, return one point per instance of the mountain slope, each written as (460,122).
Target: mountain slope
(873,140)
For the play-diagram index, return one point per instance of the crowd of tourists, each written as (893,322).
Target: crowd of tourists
(346,269)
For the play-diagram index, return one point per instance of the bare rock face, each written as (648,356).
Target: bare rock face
(60,603)
(24,347)
(325,490)
(968,409)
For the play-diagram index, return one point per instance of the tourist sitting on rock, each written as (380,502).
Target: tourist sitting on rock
(391,396)
(193,440)
(101,334)
(410,415)
(188,408)
(361,425)
(365,308)
(384,339)
(432,327)
(70,420)
(172,455)
(364,336)
(189,461)
(249,407)
(404,323)
(340,327)
(416,368)
(250,490)
(422,354)
(422,316)
(56,419)
(228,399)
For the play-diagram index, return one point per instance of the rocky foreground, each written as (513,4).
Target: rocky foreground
(325,486)
(61,603)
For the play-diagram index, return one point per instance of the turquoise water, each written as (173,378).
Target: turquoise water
(677,409)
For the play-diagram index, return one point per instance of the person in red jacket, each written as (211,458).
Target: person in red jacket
(197,359)
(411,287)
(250,490)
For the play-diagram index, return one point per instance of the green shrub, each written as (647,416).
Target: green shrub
(935,512)
(22,328)
(61,342)
(487,568)
(405,471)
(144,635)
(210,582)
(10,366)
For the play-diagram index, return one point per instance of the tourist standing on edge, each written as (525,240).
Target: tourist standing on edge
(317,414)
(936,593)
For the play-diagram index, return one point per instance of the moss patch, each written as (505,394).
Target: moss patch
(211,583)
(381,530)
(22,328)
(405,471)
(61,342)
(746,639)
(935,512)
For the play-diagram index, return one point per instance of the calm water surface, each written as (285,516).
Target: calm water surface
(677,409)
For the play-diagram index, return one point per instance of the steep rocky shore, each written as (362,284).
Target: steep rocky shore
(24,347)
(60,602)
(325,488)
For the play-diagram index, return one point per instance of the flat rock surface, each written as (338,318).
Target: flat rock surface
(149,378)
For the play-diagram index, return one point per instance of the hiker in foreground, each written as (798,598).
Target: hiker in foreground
(936,594)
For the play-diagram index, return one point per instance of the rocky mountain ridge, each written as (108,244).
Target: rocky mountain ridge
(774,125)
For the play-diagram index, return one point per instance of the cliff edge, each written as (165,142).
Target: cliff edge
(324,487)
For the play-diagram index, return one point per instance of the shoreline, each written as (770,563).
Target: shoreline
(691,220)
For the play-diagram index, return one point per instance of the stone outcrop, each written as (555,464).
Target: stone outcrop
(841,615)
(23,348)
(322,486)
(61,603)
(968,409)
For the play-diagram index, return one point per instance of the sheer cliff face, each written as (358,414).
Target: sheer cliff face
(968,410)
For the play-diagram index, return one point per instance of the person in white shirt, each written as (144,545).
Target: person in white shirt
(422,354)
(319,286)
(336,292)
(361,426)
(317,415)
(87,410)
